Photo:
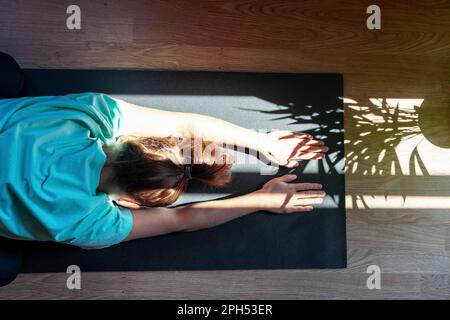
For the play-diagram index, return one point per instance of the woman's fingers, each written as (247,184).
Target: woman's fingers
(310,194)
(312,148)
(310,156)
(304,143)
(304,138)
(305,200)
(315,143)
(295,160)
(302,204)
(306,186)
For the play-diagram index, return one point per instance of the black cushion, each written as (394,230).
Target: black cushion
(10,261)
(11,83)
(12,78)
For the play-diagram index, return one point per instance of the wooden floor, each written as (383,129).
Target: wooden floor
(398,185)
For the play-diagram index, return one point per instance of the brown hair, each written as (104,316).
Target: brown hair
(152,170)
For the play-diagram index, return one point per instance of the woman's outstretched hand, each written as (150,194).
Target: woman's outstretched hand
(281,195)
(285,148)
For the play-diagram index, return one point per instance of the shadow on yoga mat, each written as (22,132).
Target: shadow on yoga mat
(299,102)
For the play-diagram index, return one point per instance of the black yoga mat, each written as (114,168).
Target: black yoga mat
(298,102)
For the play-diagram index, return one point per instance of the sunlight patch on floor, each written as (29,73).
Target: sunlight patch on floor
(396,202)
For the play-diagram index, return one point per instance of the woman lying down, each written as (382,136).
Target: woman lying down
(93,171)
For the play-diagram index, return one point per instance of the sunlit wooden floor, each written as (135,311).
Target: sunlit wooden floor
(397,83)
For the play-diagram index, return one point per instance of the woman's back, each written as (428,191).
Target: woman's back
(51,158)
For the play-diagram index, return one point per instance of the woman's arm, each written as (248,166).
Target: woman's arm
(157,221)
(144,121)
(278,195)
(280,147)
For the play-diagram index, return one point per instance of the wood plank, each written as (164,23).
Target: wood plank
(283,284)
